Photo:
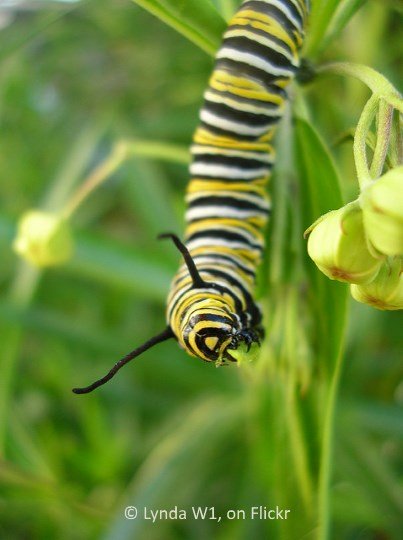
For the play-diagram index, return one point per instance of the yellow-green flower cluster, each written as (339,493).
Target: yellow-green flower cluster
(362,243)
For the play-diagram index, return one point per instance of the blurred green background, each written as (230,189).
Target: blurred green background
(75,78)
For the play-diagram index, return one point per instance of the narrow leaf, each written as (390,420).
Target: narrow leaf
(321,14)
(320,192)
(198,20)
(345,11)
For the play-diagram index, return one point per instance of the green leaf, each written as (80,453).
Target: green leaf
(320,192)
(198,20)
(321,14)
(345,11)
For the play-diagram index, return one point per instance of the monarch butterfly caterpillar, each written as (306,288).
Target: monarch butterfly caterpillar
(210,308)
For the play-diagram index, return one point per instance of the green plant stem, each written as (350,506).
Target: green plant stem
(158,150)
(298,447)
(122,151)
(389,98)
(324,511)
(22,291)
(382,140)
(396,147)
(296,434)
(360,140)
(376,82)
(279,219)
(73,167)
(96,178)
(24,285)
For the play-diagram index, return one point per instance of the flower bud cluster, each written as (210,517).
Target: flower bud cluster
(43,239)
(362,243)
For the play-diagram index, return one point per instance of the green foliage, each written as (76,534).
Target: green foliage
(327,20)
(320,192)
(195,19)
(170,430)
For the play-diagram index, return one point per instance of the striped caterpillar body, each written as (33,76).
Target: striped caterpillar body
(210,310)
(227,201)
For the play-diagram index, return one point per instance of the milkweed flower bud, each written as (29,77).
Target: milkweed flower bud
(338,247)
(43,239)
(386,290)
(382,205)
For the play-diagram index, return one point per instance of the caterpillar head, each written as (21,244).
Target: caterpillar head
(209,330)
(214,334)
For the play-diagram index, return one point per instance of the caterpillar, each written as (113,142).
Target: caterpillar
(211,311)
